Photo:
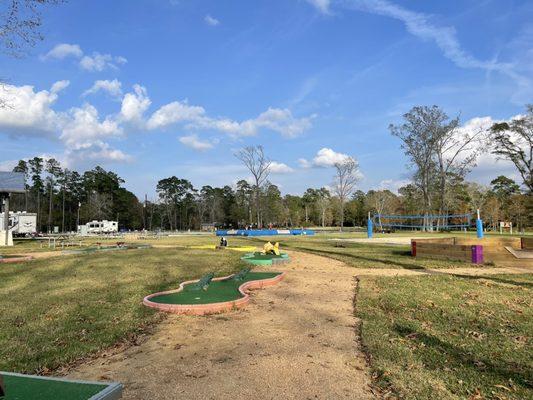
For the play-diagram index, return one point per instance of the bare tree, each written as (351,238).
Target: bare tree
(20,23)
(513,141)
(254,158)
(346,177)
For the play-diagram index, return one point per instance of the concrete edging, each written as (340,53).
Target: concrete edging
(15,259)
(211,308)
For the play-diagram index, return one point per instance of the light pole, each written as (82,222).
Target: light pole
(78,220)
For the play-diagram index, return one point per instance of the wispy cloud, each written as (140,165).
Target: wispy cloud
(195,143)
(211,21)
(321,5)
(96,62)
(113,88)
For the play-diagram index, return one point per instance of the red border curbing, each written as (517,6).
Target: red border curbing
(212,308)
(15,259)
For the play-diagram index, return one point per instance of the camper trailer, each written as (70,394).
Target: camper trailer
(21,223)
(98,227)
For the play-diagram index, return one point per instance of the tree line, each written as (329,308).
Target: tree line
(440,156)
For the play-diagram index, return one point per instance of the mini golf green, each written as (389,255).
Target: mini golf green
(217,292)
(258,258)
(31,387)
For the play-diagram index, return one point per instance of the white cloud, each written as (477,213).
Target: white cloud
(98,151)
(8,165)
(95,62)
(320,5)
(175,112)
(79,129)
(84,128)
(113,88)
(211,21)
(325,157)
(195,117)
(393,184)
(280,168)
(195,143)
(62,51)
(28,110)
(59,86)
(134,105)
(98,62)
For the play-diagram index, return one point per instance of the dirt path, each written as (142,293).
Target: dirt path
(296,340)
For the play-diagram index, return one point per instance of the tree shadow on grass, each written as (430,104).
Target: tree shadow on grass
(394,263)
(494,279)
(519,373)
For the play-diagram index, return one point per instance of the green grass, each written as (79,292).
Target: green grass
(363,255)
(217,291)
(56,310)
(449,337)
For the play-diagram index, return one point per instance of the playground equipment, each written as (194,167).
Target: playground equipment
(270,248)
(428,222)
(222,294)
(264,232)
(510,251)
(30,387)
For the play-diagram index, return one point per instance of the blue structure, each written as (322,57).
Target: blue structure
(479,226)
(264,232)
(369,230)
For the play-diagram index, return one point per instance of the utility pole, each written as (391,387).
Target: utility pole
(78,220)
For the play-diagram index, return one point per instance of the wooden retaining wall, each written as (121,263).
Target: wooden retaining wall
(473,250)
(526,243)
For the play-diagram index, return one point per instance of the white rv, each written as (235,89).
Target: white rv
(21,223)
(98,227)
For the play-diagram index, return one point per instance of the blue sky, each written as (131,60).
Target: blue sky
(154,88)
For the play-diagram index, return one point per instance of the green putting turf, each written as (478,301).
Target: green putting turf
(26,387)
(218,291)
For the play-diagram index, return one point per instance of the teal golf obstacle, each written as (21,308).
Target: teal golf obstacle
(258,258)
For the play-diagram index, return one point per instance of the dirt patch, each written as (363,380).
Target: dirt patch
(296,340)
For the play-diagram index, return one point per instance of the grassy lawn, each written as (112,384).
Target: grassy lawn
(362,255)
(449,337)
(56,310)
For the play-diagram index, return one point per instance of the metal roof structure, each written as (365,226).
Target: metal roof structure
(12,182)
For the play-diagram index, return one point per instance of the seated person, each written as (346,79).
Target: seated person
(223,242)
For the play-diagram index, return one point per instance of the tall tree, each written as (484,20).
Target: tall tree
(346,177)
(255,160)
(36,169)
(513,141)
(419,134)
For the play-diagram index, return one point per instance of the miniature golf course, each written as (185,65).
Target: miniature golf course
(220,294)
(258,258)
(31,387)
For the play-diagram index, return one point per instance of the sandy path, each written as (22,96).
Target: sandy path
(296,340)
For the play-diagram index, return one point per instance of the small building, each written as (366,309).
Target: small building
(98,227)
